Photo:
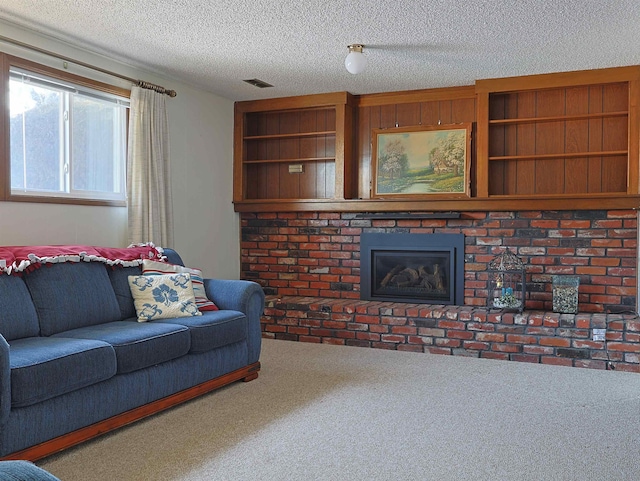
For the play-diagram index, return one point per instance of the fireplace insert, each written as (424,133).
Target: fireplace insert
(416,268)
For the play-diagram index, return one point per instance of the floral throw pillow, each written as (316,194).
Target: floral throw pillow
(163,296)
(154,268)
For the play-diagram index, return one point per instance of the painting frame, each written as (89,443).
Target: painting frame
(421,162)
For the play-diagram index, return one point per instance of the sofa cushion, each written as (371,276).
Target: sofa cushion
(71,295)
(155,268)
(119,277)
(18,316)
(213,329)
(137,344)
(45,367)
(163,296)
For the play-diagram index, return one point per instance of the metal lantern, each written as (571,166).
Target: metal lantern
(507,286)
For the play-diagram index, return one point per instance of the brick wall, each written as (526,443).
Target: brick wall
(315,256)
(533,336)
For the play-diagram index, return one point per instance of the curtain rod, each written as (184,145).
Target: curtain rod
(139,83)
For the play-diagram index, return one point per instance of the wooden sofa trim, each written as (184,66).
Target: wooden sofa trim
(39,451)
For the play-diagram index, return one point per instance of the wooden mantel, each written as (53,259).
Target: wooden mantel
(476,204)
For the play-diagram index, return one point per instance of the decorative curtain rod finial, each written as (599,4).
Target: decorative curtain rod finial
(156,88)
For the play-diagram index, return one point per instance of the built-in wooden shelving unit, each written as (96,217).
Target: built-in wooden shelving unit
(570,135)
(552,141)
(293,149)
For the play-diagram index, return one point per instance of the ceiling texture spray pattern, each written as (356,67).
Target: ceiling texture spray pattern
(300,46)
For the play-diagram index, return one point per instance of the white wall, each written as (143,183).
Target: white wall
(206,229)
(205,225)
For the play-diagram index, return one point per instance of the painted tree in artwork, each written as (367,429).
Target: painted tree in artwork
(394,161)
(448,155)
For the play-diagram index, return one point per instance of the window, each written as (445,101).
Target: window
(66,140)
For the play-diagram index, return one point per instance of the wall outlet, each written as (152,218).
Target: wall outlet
(599,334)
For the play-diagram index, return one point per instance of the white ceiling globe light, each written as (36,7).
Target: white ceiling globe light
(355,61)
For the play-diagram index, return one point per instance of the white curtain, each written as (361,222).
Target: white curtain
(148,170)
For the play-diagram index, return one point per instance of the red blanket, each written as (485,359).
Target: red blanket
(21,258)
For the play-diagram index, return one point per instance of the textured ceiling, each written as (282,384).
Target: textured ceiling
(300,46)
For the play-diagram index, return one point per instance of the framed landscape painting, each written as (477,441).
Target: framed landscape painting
(421,161)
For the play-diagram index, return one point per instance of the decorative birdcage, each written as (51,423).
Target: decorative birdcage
(507,282)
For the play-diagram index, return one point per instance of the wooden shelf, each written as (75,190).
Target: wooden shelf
(290,136)
(300,159)
(566,155)
(513,118)
(558,118)
(315,130)
(587,118)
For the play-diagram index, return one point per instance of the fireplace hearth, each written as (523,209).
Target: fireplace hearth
(418,268)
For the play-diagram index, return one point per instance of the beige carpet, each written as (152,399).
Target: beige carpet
(323,412)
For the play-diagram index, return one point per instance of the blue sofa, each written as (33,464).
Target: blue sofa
(75,363)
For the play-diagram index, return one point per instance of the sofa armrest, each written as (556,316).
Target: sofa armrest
(243,296)
(5,381)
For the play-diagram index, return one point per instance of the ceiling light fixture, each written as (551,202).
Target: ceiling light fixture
(355,61)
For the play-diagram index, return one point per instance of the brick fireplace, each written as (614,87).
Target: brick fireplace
(309,266)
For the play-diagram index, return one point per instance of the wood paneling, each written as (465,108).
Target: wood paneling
(308,147)
(308,131)
(399,112)
(615,97)
(342,149)
(430,113)
(633,131)
(576,140)
(323,123)
(525,180)
(594,179)
(408,114)
(549,139)
(558,80)
(510,145)
(481,166)
(531,130)
(363,151)
(274,140)
(540,139)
